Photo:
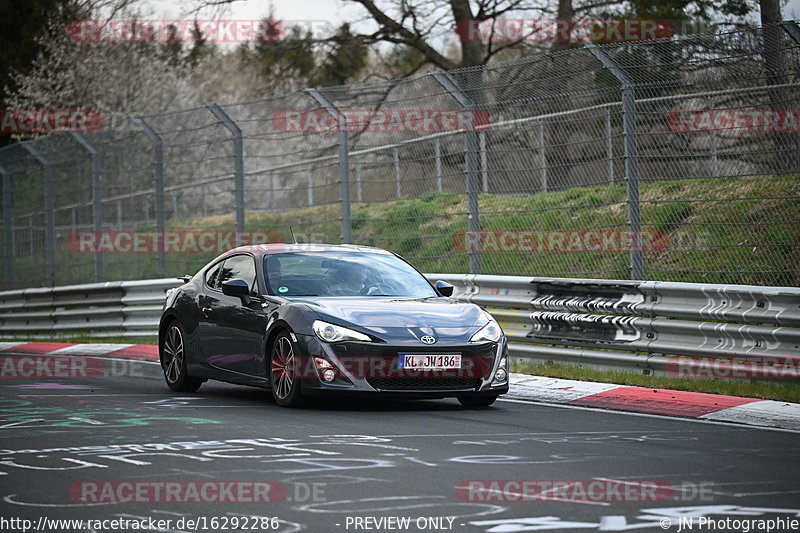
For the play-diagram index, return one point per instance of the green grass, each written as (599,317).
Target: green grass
(714,231)
(780,391)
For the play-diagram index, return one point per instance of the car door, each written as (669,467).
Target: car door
(232,329)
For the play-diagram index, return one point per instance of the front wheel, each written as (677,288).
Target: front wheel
(475,401)
(173,361)
(283,376)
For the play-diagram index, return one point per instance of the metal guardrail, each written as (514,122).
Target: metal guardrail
(652,327)
(113,309)
(645,326)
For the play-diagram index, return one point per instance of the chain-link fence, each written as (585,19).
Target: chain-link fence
(674,160)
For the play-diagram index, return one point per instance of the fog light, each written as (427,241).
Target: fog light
(502,370)
(328,375)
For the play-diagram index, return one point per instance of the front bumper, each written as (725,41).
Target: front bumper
(362,367)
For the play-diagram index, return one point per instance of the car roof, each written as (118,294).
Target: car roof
(284,247)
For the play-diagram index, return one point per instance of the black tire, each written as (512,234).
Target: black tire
(284,381)
(172,350)
(476,401)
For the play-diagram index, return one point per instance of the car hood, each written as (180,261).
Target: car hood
(376,312)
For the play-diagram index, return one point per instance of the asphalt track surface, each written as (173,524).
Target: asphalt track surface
(118,444)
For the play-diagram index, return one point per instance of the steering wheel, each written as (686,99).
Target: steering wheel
(369,290)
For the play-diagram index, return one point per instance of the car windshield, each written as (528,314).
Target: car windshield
(331,274)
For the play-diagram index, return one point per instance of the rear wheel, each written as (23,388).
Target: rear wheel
(475,401)
(283,376)
(173,361)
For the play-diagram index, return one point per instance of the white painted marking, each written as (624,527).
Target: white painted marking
(554,389)
(8,345)
(90,349)
(762,413)
(10,499)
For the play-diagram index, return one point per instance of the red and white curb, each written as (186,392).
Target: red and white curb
(139,352)
(750,411)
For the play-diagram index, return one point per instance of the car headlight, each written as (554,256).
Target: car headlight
(491,332)
(332,333)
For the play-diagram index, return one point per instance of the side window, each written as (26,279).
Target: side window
(213,275)
(239,266)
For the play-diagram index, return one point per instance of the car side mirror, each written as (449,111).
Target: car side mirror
(444,288)
(237,287)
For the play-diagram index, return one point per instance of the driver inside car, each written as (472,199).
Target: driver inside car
(347,279)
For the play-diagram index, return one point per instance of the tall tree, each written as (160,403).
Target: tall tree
(428,25)
(787,144)
(23,28)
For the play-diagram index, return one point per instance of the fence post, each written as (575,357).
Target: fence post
(712,141)
(238,167)
(158,156)
(542,159)
(359,195)
(631,156)
(310,184)
(271,177)
(471,148)
(484,162)
(49,211)
(344,162)
(609,148)
(438,163)
(97,199)
(8,231)
(396,162)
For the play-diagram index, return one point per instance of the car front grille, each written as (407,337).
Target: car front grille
(423,383)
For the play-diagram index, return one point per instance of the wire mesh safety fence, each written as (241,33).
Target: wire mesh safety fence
(675,160)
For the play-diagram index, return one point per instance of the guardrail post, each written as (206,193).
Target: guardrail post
(158,151)
(8,231)
(631,156)
(471,149)
(344,162)
(97,198)
(49,211)
(238,167)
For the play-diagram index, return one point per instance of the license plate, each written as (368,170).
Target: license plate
(439,361)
